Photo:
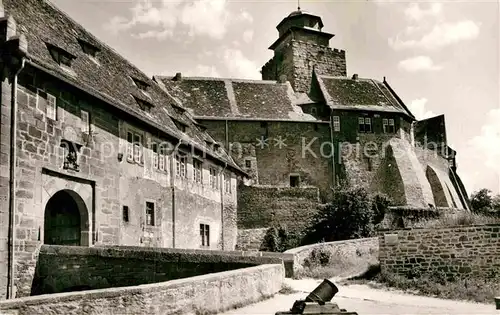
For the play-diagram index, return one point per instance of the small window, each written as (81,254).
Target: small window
(180,165)
(227,183)
(365,124)
(214,178)
(205,235)
(182,127)
(62,57)
(197,167)
(145,106)
(134,147)
(392,128)
(248,163)
(47,103)
(336,123)
(88,48)
(142,85)
(154,149)
(314,111)
(125,214)
(150,213)
(85,120)
(384,124)
(294,180)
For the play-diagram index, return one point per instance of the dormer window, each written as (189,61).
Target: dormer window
(179,109)
(61,56)
(88,48)
(182,127)
(144,105)
(142,85)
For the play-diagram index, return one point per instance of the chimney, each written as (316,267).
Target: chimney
(282,78)
(355,76)
(178,76)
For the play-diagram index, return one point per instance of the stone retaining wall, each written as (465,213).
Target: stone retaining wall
(467,251)
(212,293)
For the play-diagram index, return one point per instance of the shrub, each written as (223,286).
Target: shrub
(353,213)
(278,239)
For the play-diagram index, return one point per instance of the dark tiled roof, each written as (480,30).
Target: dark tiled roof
(108,76)
(363,94)
(232,98)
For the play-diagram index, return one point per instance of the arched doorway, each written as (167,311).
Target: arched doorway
(66,219)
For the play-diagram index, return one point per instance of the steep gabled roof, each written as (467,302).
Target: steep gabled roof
(107,75)
(360,94)
(233,98)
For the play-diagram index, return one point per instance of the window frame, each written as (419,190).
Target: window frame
(135,152)
(214,178)
(150,214)
(204,235)
(197,171)
(180,165)
(85,123)
(227,183)
(336,123)
(365,125)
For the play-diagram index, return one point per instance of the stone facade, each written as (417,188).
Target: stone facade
(274,206)
(459,252)
(296,58)
(88,170)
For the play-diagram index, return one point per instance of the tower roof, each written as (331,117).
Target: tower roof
(295,18)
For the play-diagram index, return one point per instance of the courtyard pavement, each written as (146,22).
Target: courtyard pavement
(366,301)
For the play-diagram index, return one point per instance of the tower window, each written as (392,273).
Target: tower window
(294,180)
(150,213)
(248,163)
(125,214)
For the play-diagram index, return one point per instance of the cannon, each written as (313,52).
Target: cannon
(318,302)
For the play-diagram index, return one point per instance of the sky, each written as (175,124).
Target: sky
(439,57)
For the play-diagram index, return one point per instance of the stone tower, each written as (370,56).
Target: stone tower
(302,46)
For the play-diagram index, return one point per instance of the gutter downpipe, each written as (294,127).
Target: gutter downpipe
(222,205)
(12,182)
(333,151)
(172,184)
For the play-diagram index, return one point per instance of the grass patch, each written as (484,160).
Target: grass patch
(332,261)
(433,285)
(286,289)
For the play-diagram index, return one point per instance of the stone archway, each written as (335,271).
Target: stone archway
(66,220)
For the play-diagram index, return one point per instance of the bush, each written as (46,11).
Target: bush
(353,213)
(278,239)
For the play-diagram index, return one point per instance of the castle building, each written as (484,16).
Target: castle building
(93,152)
(307,124)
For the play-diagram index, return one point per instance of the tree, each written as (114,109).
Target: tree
(482,201)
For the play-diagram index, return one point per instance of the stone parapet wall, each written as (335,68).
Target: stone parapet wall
(459,252)
(356,255)
(66,268)
(206,294)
